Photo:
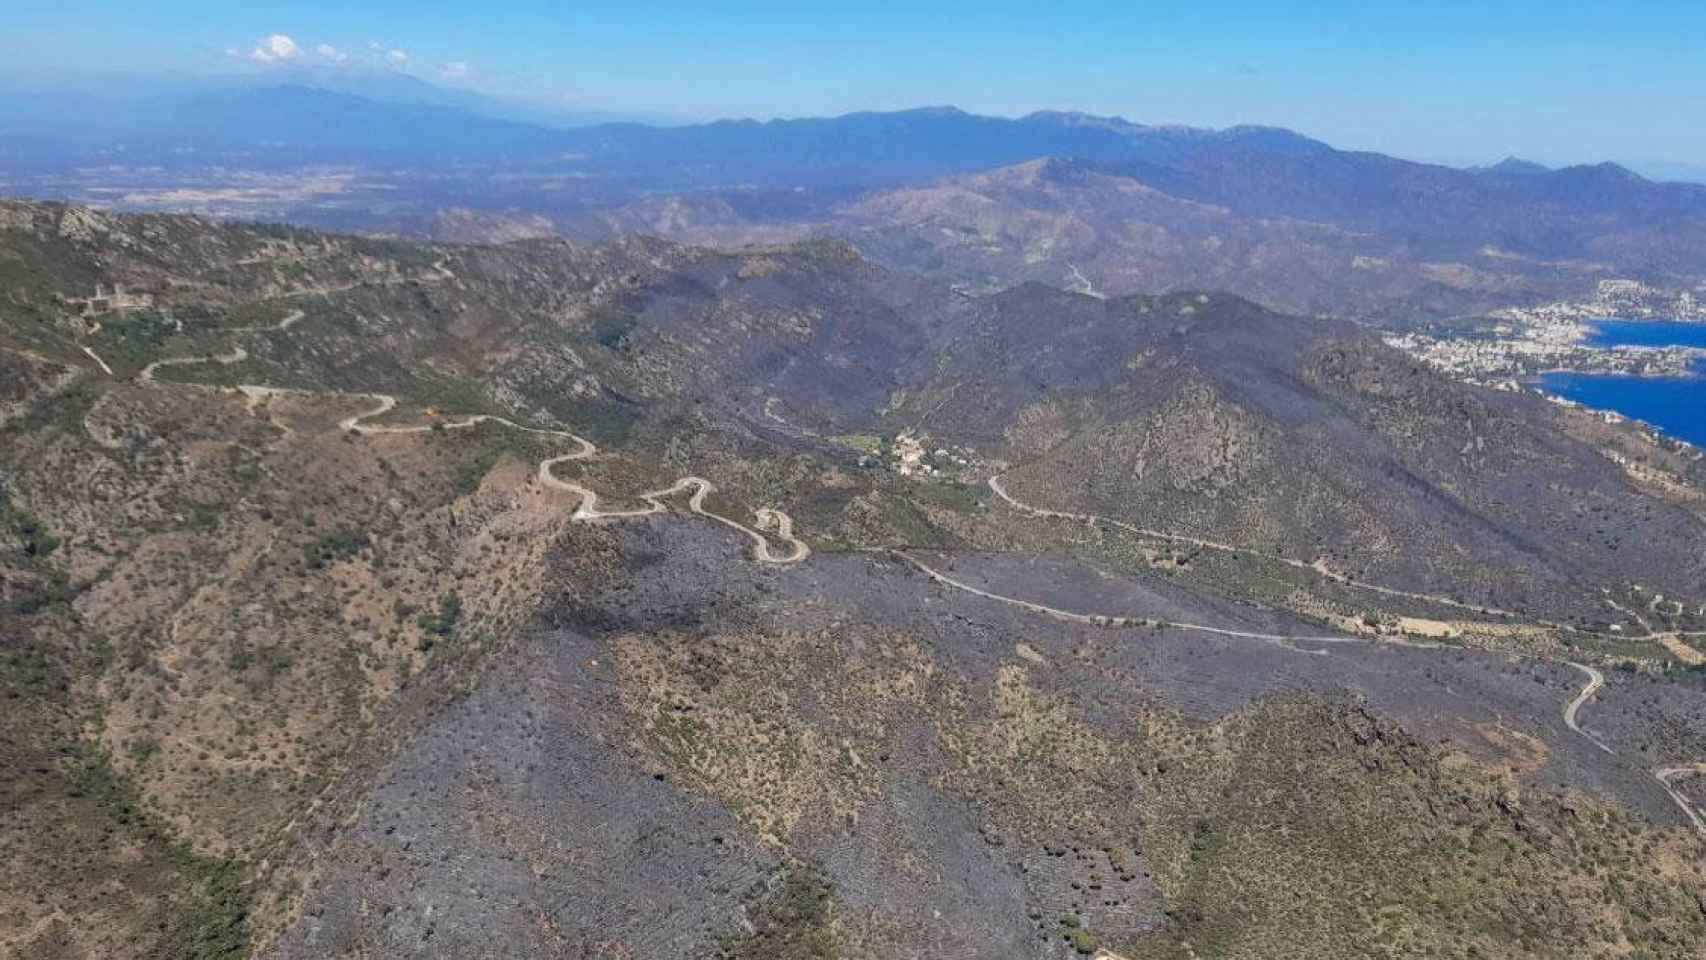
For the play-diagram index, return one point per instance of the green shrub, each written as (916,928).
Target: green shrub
(32,534)
(333,547)
(443,622)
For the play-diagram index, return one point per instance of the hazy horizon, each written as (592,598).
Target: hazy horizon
(1429,85)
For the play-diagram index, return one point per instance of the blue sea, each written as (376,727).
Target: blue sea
(1676,405)
(1640,333)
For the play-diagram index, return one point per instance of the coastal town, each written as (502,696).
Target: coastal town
(1524,342)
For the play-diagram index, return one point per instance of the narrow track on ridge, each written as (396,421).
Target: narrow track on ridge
(768,521)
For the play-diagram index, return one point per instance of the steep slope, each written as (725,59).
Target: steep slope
(368,598)
(213,595)
(683,766)
(1213,418)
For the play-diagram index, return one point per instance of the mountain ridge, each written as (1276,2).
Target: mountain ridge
(1151,624)
(1306,228)
(380,94)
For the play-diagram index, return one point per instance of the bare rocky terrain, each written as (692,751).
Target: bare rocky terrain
(1161,626)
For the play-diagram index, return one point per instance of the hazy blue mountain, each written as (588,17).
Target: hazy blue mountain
(1551,213)
(436,149)
(1513,165)
(377,117)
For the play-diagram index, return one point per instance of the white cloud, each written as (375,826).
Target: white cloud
(331,53)
(388,54)
(455,70)
(275,48)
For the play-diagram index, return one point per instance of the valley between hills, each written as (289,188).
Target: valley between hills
(368,597)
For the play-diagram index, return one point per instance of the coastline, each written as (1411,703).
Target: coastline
(1660,433)
(1630,354)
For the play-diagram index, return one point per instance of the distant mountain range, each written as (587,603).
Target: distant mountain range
(1260,211)
(1273,216)
(346,116)
(393,119)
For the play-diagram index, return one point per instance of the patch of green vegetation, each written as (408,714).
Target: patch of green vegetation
(1082,941)
(32,534)
(213,922)
(863,442)
(965,499)
(32,597)
(816,508)
(471,453)
(441,624)
(1693,674)
(333,547)
(43,585)
(197,907)
(611,329)
(472,472)
(794,921)
(679,737)
(132,340)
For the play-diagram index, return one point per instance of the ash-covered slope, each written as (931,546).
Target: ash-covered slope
(1208,416)
(304,658)
(840,759)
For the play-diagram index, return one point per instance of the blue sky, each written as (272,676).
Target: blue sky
(1556,81)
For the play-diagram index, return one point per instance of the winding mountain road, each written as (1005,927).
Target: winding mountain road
(1318,567)
(773,522)
(1108,620)
(237,355)
(1664,775)
(1595,678)
(1595,681)
(768,520)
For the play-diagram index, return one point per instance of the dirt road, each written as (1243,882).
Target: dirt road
(768,520)
(1318,567)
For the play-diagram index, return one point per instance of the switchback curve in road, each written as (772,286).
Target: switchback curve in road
(766,519)
(1667,774)
(1596,680)
(771,519)
(1664,775)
